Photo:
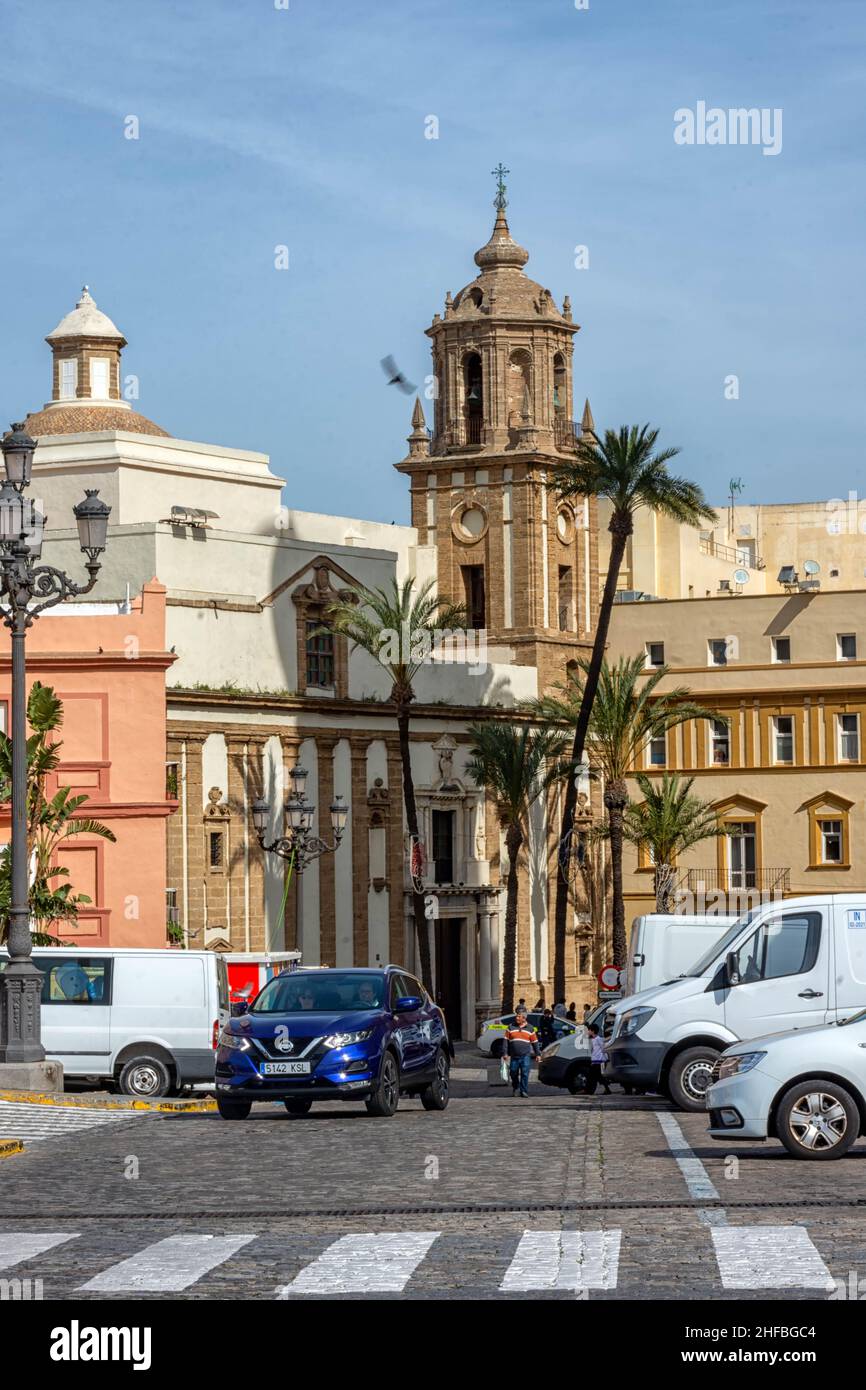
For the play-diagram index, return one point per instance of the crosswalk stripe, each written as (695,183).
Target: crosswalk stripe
(169,1265)
(20,1120)
(375,1263)
(769,1257)
(564,1260)
(18,1246)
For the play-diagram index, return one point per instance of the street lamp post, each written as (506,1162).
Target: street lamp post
(27,588)
(300,846)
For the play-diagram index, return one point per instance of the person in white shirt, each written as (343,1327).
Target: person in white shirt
(598,1056)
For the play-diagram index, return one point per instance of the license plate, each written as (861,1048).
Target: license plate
(285,1068)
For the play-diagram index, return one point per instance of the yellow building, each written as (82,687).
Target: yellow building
(783,764)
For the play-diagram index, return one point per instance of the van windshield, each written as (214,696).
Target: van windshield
(719,948)
(853,1018)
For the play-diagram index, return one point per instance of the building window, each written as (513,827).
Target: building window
(215,843)
(655,653)
(443,846)
(320,655)
(720,742)
(566,598)
(658,751)
(99,378)
(781,649)
(473,585)
(830,832)
(717,649)
(68,378)
(583,960)
(783,738)
(849,738)
(742,846)
(846,646)
(171,782)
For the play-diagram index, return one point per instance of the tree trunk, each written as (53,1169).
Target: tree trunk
(616,800)
(664,884)
(513,842)
(412,823)
(620,528)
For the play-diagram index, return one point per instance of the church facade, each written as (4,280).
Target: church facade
(257,686)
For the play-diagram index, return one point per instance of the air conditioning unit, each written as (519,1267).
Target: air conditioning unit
(724,586)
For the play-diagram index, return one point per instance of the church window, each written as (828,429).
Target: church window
(320,655)
(99,378)
(443,845)
(68,378)
(473,584)
(560,388)
(473,383)
(215,849)
(566,598)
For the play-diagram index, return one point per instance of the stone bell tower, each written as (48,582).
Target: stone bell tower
(524,565)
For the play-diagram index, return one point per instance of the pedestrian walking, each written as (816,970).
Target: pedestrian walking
(571,1015)
(559,1008)
(546,1030)
(598,1056)
(521,1045)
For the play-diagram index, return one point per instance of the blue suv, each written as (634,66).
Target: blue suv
(370,1035)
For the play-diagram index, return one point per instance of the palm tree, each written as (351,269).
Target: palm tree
(516,764)
(401,630)
(50,821)
(627,712)
(666,823)
(624,468)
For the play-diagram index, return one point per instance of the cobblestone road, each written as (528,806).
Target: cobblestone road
(555,1197)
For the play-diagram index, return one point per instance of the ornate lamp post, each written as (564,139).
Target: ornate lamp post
(300,846)
(26,589)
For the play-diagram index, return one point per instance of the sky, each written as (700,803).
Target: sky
(305,126)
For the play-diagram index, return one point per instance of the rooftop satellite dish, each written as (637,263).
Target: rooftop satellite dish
(811,567)
(741,576)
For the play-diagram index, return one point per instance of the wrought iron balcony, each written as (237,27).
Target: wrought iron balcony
(733,880)
(566,433)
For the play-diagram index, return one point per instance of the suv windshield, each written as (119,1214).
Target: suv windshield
(332,991)
(719,948)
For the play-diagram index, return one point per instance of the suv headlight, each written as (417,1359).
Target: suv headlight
(740,1062)
(346,1039)
(551,1049)
(235,1041)
(632,1020)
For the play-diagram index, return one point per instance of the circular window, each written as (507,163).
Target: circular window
(565,525)
(469,523)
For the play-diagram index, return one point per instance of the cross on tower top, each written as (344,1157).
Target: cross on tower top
(500,201)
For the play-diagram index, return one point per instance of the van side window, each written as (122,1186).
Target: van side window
(76,980)
(784,945)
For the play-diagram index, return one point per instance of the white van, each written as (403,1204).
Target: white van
(145,1020)
(664,945)
(785,965)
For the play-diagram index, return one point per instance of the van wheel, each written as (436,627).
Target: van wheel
(233,1109)
(145,1077)
(690,1076)
(435,1096)
(297,1107)
(817,1119)
(386,1097)
(576,1081)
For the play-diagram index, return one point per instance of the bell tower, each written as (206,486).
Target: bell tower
(524,565)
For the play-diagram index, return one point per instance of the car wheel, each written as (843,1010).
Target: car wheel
(690,1076)
(576,1081)
(817,1119)
(497,1048)
(297,1107)
(386,1097)
(145,1077)
(435,1096)
(234,1109)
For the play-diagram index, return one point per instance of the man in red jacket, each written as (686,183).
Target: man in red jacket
(521,1045)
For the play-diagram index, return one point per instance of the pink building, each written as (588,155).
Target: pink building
(107,664)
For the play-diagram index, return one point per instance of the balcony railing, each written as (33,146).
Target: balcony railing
(737,880)
(467,433)
(566,433)
(732,555)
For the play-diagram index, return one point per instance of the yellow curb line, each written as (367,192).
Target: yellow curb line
(8,1147)
(44,1098)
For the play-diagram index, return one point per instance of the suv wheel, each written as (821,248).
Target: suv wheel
(435,1096)
(233,1109)
(145,1077)
(690,1076)
(297,1107)
(386,1097)
(817,1119)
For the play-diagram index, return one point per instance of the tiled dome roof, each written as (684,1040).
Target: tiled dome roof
(89,419)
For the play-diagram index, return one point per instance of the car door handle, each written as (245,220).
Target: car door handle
(811,994)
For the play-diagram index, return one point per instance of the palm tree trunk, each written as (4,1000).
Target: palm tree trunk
(513,842)
(616,800)
(620,528)
(664,882)
(412,823)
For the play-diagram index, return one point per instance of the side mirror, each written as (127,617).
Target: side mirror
(732,969)
(240,1007)
(407,1004)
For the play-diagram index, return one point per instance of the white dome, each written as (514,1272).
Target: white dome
(86,321)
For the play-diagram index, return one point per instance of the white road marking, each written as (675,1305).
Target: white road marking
(575,1260)
(21,1120)
(375,1263)
(169,1265)
(17,1246)
(769,1257)
(697,1178)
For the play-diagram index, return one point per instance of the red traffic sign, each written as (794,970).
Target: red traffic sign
(608,977)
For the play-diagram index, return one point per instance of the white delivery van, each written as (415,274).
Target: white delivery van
(145,1020)
(782,966)
(664,945)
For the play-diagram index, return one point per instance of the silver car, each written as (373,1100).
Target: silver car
(806,1088)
